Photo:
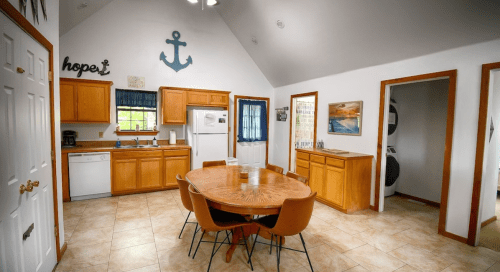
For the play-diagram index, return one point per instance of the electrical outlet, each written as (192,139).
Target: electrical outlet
(101,134)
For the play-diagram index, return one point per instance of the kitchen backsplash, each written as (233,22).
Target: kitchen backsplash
(90,132)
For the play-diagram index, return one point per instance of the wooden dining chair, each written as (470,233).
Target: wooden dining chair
(216,221)
(292,219)
(274,168)
(186,201)
(213,163)
(298,177)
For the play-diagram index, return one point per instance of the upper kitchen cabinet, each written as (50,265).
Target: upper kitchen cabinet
(85,101)
(175,100)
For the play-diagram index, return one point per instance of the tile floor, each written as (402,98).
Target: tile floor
(490,234)
(140,233)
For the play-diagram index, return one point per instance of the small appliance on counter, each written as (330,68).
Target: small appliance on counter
(173,137)
(69,138)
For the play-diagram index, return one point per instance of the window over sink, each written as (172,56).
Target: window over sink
(136,108)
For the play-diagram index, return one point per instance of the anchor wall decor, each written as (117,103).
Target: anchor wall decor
(176,64)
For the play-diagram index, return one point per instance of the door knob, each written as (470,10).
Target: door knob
(23,188)
(20,70)
(34,183)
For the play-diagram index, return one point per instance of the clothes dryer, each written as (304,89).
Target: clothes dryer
(393,123)
(391,171)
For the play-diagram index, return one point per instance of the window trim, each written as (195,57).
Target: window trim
(143,110)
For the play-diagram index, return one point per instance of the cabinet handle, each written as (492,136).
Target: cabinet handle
(20,70)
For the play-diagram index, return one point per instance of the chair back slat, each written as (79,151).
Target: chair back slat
(274,168)
(294,215)
(213,163)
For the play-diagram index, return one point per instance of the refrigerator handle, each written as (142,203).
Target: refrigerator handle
(197,142)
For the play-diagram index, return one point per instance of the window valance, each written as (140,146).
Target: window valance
(134,98)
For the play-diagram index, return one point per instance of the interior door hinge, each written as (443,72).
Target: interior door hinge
(52,155)
(51,76)
(56,231)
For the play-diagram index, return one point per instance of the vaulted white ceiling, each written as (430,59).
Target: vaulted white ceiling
(73,12)
(324,37)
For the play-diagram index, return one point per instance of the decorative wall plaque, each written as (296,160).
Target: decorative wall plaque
(176,64)
(80,68)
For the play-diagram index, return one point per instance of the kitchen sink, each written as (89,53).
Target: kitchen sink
(136,146)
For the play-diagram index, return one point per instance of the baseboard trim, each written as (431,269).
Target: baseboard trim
(491,220)
(428,202)
(454,237)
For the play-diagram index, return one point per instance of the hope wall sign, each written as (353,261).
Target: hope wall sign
(80,68)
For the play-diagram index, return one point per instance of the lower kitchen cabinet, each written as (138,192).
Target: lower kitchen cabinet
(176,162)
(142,171)
(342,181)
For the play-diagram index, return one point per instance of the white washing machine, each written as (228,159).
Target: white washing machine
(393,123)
(391,171)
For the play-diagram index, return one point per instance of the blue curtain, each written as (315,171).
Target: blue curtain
(133,98)
(252,121)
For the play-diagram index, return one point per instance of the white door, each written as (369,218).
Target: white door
(250,153)
(25,154)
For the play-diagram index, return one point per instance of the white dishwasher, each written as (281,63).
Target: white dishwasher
(89,175)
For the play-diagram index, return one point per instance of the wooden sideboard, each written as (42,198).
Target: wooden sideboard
(175,101)
(343,181)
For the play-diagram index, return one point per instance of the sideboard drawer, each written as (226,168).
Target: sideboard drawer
(302,156)
(335,162)
(318,159)
(302,163)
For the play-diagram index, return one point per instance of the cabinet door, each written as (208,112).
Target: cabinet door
(93,102)
(174,166)
(150,173)
(335,185)
(68,102)
(197,98)
(174,107)
(124,175)
(219,99)
(302,171)
(316,178)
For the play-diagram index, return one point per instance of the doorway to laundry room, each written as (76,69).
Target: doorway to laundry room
(414,149)
(484,227)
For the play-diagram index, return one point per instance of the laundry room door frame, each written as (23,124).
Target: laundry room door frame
(481,137)
(10,11)
(384,89)
(235,138)
(315,94)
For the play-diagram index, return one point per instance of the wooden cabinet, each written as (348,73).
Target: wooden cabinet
(176,162)
(85,101)
(342,181)
(143,171)
(173,106)
(175,100)
(136,171)
(316,178)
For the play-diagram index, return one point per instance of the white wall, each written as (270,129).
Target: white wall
(131,35)
(421,136)
(491,148)
(50,30)
(364,84)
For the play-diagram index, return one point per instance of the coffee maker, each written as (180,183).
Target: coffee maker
(69,138)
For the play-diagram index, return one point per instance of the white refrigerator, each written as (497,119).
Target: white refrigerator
(207,135)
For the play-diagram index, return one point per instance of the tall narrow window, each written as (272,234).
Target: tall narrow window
(252,121)
(135,108)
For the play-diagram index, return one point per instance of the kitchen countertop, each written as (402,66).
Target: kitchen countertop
(82,149)
(335,154)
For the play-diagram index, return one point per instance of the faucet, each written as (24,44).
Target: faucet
(136,141)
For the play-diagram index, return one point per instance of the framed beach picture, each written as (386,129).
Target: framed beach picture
(345,118)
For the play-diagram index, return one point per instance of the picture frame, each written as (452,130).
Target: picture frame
(345,118)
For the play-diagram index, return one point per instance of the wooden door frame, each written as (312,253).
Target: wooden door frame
(482,123)
(11,12)
(315,94)
(452,76)
(236,97)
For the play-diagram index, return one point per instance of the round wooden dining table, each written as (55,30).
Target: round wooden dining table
(262,193)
